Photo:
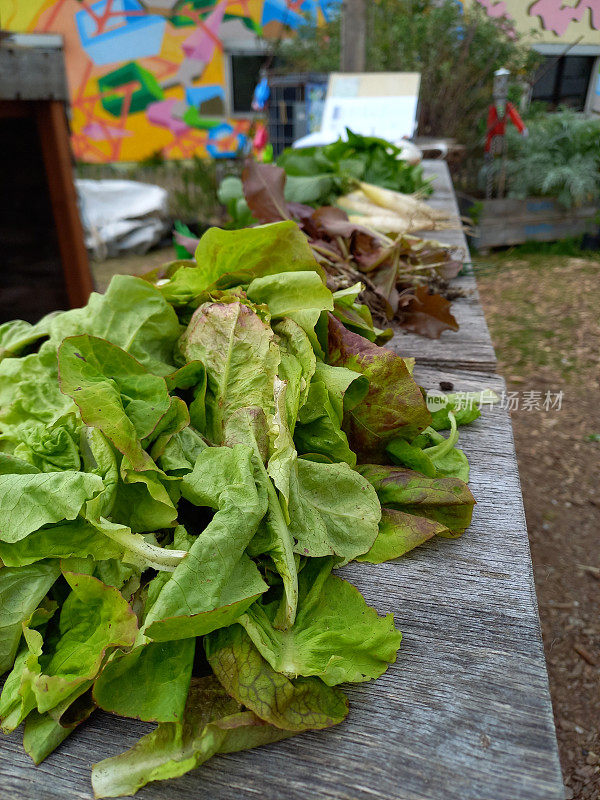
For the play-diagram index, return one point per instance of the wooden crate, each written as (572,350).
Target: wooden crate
(535,219)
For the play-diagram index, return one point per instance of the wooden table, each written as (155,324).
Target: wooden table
(465,712)
(471,346)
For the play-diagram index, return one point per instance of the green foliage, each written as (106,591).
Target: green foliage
(317,175)
(456,51)
(560,158)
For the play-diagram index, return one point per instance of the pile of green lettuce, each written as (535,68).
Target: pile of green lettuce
(318,175)
(182,465)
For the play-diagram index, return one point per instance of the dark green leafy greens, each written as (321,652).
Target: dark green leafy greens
(182,467)
(317,175)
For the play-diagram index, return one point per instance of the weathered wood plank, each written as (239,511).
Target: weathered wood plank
(465,712)
(471,346)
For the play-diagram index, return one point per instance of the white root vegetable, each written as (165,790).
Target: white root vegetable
(386,223)
(357,203)
(403,204)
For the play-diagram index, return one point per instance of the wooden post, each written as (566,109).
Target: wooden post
(353,43)
(54,140)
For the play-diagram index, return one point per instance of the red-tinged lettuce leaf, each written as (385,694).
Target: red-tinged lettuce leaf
(150,682)
(336,636)
(444,500)
(264,186)
(428,314)
(399,533)
(213,723)
(331,222)
(113,392)
(394,406)
(241,359)
(298,704)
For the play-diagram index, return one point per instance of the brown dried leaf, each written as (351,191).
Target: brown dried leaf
(264,191)
(428,314)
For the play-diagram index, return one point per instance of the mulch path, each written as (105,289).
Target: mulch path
(544,317)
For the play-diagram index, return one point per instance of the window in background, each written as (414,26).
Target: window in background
(244,71)
(564,81)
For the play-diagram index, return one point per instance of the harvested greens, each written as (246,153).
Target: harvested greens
(404,278)
(317,175)
(182,466)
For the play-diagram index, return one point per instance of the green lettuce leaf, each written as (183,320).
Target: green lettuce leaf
(273,537)
(150,682)
(51,447)
(113,392)
(336,635)
(432,454)
(215,575)
(213,723)
(181,452)
(21,591)
(288,292)
(94,619)
(29,501)
(294,705)
(133,315)
(333,511)
(78,538)
(253,252)
(332,391)
(17,334)
(29,392)
(42,735)
(296,367)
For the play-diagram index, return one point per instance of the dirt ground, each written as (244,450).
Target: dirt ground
(544,317)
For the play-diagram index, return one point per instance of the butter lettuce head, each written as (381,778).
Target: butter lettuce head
(182,468)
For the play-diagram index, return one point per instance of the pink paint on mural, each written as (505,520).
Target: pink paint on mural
(99,132)
(495,8)
(202,43)
(557,17)
(161,113)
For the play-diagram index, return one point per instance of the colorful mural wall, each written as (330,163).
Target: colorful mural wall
(551,20)
(149,75)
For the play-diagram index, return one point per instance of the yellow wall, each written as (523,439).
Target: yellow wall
(552,21)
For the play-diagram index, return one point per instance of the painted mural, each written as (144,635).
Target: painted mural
(552,20)
(149,75)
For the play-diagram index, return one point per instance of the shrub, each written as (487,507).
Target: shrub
(456,51)
(560,158)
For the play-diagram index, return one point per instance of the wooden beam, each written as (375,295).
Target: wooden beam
(354,30)
(56,151)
